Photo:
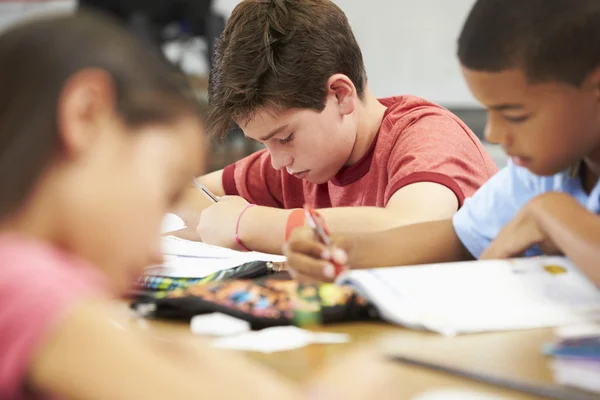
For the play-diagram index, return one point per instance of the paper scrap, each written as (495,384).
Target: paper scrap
(218,324)
(281,338)
(171,223)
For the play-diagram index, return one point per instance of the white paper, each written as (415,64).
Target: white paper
(191,267)
(173,245)
(176,246)
(218,324)
(282,338)
(171,223)
(189,259)
(578,331)
(481,296)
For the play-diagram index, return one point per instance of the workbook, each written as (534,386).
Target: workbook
(480,296)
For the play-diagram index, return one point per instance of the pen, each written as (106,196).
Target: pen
(544,391)
(315,222)
(205,190)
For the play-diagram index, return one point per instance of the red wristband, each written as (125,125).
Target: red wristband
(237,228)
(295,220)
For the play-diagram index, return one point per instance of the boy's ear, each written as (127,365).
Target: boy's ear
(85,104)
(345,92)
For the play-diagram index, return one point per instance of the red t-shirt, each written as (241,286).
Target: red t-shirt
(418,141)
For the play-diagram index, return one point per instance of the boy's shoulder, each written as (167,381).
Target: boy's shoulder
(412,121)
(560,182)
(406,111)
(410,108)
(522,184)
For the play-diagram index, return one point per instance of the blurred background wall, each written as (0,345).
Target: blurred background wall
(409,47)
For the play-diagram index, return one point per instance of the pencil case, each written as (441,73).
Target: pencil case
(161,284)
(264,302)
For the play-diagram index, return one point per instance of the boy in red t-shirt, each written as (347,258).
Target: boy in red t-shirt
(290,74)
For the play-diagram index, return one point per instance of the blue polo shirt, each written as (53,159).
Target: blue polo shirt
(499,200)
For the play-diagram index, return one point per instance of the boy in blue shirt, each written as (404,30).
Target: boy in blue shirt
(535,66)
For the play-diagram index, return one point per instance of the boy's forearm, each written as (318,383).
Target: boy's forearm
(423,243)
(574,230)
(263,228)
(369,219)
(378,243)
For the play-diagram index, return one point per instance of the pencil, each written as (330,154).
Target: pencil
(546,391)
(205,190)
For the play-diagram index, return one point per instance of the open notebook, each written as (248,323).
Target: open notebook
(189,259)
(480,296)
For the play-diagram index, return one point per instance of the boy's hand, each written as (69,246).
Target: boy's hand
(310,260)
(523,232)
(217,222)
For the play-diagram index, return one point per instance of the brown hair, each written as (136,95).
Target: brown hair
(36,60)
(280,53)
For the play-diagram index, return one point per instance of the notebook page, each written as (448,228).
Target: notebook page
(483,295)
(189,259)
(173,245)
(189,267)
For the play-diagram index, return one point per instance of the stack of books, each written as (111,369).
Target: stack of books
(576,357)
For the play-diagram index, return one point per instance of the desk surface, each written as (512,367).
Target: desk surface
(511,354)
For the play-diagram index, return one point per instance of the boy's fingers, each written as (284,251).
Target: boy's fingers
(341,248)
(302,240)
(500,250)
(494,252)
(302,232)
(339,255)
(309,267)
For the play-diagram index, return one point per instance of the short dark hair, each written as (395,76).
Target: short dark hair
(280,53)
(38,57)
(548,39)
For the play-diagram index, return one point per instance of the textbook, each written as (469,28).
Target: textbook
(576,356)
(479,296)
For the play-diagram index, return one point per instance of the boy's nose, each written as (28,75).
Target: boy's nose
(281,160)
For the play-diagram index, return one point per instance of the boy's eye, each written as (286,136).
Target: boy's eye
(516,119)
(287,139)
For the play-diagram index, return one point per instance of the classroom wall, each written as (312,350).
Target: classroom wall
(12,11)
(409,46)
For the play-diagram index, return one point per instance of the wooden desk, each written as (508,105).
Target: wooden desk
(512,354)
